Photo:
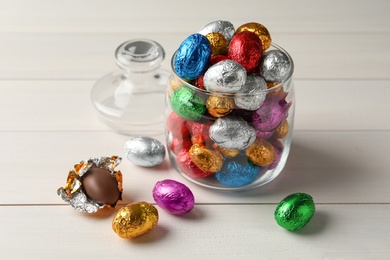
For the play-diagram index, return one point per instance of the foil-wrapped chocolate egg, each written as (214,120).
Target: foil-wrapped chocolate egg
(260,30)
(226,28)
(226,76)
(217,58)
(270,114)
(135,219)
(192,57)
(275,66)
(295,211)
(232,132)
(245,48)
(188,167)
(177,144)
(207,160)
(261,153)
(219,106)
(187,104)
(234,174)
(252,95)
(282,130)
(200,132)
(219,44)
(177,126)
(173,196)
(145,151)
(228,153)
(278,146)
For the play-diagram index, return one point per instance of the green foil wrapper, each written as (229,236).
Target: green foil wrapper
(295,211)
(187,104)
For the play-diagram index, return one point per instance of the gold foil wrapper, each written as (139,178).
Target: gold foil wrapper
(261,153)
(135,219)
(207,160)
(219,106)
(282,130)
(219,44)
(260,30)
(229,153)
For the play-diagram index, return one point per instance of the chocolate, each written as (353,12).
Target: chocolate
(101,186)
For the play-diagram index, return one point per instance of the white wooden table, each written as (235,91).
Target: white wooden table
(51,53)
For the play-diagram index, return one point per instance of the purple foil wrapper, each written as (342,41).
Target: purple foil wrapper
(173,196)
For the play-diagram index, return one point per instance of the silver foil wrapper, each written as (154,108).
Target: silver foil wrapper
(145,151)
(226,76)
(252,94)
(275,66)
(232,132)
(226,28)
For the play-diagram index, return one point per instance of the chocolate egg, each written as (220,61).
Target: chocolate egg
(261,153)
(252,95)
(245,48)
(177,126)
(192,57)
(282,130)
(173,196)
(101,186)
(145,151)
(275,66)
(207,160)
(187,104)
(219,44)
(219,106)
(235,174)
(226,76)
(295,211)
(135,219)
(232,132)
(226,28)
(187,166)
(260,30)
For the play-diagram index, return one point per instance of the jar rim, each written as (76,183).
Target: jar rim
(274,45)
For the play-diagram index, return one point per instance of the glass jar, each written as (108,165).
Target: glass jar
(131,100)
(212,147)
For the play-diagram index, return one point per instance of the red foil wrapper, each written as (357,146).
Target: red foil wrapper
(217,58)
(177,126)
(178,144)
(200,132)
(246,49)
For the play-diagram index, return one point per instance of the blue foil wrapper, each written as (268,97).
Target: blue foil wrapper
(192,57)
(234,174)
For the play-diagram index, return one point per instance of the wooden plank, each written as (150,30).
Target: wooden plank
(334,167)
(66,105)
(163,16)
(208,232)
(90,56)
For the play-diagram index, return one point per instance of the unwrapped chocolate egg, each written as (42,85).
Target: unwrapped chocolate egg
(261,153)
(173,196)
(275,66)
(226,76)
(252,95)
(295,211)
(145,151)
(235,174)
(219,106)
(207,160)
(232,132)
(226,28)
(245,48)
(187,104)
(192,56)
(260,30)
(135,219)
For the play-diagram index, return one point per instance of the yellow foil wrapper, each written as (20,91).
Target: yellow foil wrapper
(219,44)
(207,160)
(260,30)
(261,153)
(219,106)
(135,219)
(282,130)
